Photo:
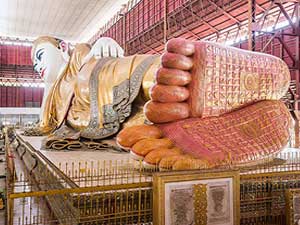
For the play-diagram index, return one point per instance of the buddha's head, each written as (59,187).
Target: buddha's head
(49,56)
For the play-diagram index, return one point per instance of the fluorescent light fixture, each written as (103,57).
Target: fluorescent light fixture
(22,84)
(41,85)
(25,84)
(17,43)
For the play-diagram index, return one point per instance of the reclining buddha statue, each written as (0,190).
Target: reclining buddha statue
(78,91)
(199,105)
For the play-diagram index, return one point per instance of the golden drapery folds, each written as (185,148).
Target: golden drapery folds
(60,95)
(109,86)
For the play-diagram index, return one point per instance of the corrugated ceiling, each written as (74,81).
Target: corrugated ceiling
(72,20)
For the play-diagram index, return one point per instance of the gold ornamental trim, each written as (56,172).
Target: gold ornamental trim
(200,204)
(123,95)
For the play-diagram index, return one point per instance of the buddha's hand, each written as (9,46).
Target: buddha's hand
(170,93)
(37,130)
(105,47)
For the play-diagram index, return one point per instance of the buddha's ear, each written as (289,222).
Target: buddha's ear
(64,48)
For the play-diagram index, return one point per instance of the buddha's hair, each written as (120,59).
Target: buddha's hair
(44,39)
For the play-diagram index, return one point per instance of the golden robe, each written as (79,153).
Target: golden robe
(103,96)
(108,80)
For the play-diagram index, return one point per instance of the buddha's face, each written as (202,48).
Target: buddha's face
(49,61)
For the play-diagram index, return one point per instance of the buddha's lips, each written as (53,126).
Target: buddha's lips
(42,73)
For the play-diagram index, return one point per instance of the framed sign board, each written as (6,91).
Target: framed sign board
(196,198)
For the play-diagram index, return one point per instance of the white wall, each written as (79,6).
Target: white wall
(19,116)
(15,110)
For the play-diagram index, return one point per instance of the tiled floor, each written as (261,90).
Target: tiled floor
(104,167)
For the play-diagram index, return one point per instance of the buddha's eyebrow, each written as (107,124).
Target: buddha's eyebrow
(39,51)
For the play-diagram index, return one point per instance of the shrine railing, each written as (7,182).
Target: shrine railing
(121,192)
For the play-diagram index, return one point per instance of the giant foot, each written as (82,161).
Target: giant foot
(202,79)
(208,100)
(249,134)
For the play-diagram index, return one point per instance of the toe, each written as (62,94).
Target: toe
(166,93)
(181,46)
(169,76)
(145,146)
(190,164)
(157,112)
(131,135)
(167,162)
(153,158)
(176,61)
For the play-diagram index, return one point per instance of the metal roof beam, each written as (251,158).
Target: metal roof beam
(200,18)
(263,17)
(260,7)
(286,48)
(268,43)
(278,3)
(186,28)
(224,12)
(150,48)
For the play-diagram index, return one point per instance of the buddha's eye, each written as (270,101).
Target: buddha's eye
(39,54)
